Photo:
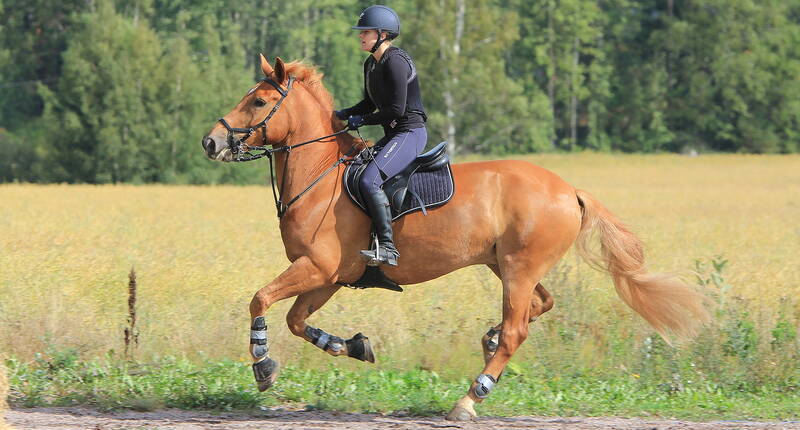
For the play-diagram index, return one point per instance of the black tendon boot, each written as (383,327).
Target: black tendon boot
(381,213)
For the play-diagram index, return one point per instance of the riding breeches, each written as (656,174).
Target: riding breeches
(394,153)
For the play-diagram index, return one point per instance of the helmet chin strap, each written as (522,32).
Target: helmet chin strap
(377,42)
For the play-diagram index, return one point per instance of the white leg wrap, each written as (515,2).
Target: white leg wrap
(484,386)
(323,340)
(258,338)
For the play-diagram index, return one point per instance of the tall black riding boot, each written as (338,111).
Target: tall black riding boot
(381,213)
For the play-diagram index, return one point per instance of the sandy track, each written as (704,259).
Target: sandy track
(81,418)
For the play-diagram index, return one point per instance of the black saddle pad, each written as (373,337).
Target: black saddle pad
(427,183)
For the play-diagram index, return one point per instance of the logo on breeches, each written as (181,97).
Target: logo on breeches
(391,148)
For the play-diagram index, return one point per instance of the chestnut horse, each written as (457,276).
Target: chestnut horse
(514,217)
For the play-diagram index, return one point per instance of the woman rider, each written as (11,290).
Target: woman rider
(392,99)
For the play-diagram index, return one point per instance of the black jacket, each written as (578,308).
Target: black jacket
(391,86)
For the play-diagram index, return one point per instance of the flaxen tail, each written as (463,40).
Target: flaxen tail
(670,306)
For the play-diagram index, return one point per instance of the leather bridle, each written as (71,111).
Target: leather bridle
(238,147)
(243,152)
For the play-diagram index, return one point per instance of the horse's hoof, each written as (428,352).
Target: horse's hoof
(266,372)
(460,414)
(359,348)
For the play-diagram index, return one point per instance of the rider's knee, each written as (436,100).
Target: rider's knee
(367,183)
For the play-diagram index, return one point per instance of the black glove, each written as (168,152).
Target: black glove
(355,121)
(341,114)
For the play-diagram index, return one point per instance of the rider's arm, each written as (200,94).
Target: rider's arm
(396,72)
(361,108)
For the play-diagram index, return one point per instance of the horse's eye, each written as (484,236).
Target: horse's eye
(260,103)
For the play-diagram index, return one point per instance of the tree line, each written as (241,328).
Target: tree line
(104,91)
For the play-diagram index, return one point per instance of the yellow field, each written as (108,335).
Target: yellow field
(201,252)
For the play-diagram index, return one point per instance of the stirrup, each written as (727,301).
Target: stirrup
(374,257)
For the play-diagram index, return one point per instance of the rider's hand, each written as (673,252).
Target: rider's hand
(355,121)
(341,114)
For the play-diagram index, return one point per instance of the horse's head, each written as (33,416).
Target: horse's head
(260,118)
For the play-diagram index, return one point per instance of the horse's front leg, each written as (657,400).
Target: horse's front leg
(306,304)
(301,277)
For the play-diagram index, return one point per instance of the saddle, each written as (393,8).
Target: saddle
(426,183)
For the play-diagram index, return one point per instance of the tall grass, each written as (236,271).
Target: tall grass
(201,252)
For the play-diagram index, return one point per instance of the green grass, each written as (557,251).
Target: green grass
(62,380)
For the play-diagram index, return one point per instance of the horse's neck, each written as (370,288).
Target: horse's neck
(307,163)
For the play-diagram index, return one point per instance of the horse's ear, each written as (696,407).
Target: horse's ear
(280,71)
(265,67)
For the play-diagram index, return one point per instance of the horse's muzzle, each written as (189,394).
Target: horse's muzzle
(216,150)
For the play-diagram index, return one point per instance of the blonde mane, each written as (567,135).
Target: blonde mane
(312,79)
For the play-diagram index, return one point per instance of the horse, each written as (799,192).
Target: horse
(512,216)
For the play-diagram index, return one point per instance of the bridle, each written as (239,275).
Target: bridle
(237,146)
(243,152)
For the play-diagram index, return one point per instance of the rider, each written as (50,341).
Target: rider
(391,87)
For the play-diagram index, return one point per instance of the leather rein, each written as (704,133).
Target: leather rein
(243,152)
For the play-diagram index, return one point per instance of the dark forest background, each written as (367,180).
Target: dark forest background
(101,91)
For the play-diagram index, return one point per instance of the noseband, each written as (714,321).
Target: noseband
(242,152)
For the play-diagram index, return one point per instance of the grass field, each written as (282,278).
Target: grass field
(728,221)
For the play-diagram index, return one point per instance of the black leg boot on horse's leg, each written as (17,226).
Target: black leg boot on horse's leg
(381,213)
(265,369)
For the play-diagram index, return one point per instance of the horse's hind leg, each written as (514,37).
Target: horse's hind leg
(518,273)
(541,302)
(306,304)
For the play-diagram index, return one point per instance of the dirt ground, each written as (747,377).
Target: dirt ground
(80,418)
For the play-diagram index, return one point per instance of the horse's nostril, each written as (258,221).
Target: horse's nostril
(208,145)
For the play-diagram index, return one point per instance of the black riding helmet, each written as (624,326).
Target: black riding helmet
(380,18)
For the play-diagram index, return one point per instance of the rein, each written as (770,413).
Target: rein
(243,152)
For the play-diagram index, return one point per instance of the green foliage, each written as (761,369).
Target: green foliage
(33,36)
(562,54)
(734,67)
(471,100)
(127,102)
(18,159)
(112,91)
